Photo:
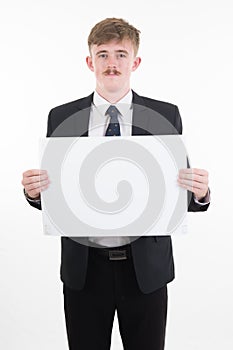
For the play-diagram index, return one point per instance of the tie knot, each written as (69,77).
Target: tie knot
(113,112)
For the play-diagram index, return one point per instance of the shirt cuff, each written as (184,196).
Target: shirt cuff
(31,200)
(205,200)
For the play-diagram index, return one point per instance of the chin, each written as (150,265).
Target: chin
(113,87)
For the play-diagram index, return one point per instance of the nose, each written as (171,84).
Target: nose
(112,65)
(111,62)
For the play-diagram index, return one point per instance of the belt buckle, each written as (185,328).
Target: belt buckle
(117,255)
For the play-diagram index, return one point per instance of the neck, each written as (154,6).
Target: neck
(112,97)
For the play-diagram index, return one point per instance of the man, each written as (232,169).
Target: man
(131,279)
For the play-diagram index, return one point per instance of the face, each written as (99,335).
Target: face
(112,64)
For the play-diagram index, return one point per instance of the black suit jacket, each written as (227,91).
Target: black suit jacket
(152,255)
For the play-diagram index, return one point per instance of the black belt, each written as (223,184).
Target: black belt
(121,253)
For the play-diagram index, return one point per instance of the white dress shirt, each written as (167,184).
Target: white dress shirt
(98,124)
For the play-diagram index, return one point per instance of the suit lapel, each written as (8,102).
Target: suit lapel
(141,118)
(140,122)
(83,116)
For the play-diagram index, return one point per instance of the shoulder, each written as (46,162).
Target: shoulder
(68,113)
(157,105)
(72,106)
(167,114)
(154,102)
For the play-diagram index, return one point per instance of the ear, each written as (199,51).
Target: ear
(136,63)
(90,63)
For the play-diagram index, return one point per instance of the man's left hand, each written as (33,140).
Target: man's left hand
(194,180)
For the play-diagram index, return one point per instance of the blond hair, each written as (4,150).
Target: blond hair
(113,29)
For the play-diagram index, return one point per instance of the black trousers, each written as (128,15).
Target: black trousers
(111,286)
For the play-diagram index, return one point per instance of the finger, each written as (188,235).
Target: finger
(34,179)
(34,172)
(201,172)
(197,192)
(35,193)
(36,185)
(194,177)
(192,184)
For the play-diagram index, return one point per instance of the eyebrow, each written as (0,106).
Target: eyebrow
(105,51)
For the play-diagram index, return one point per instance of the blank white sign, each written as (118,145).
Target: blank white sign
(114,186)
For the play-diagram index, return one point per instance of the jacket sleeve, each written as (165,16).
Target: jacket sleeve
(36,203)
(193,206)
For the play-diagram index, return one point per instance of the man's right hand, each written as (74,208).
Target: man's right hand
(35,181)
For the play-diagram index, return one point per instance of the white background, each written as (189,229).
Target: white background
(186,50)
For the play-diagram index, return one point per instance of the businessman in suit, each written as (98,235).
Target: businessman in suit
(114,273)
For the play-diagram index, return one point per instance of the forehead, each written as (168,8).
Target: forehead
(113,46)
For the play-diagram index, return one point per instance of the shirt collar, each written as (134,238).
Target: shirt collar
(122,105)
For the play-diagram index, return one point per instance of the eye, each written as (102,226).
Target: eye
(122,55)
(103,55)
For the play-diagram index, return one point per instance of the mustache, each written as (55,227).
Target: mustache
(109,71)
